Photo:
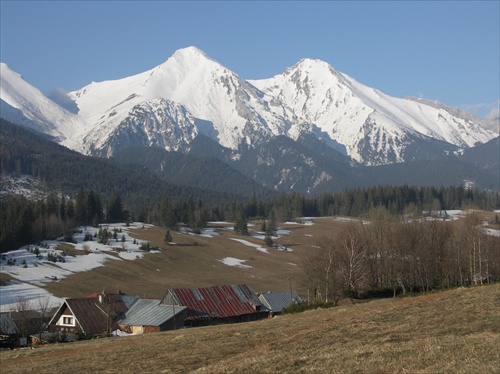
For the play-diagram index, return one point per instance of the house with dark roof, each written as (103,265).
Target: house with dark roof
(146,315)
(90,316)
(277,301)
(8,330)
(217,304)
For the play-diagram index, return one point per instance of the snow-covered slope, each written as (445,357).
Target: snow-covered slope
(156,122)
(23,104)
(207,90)
(190,93)
(352,114)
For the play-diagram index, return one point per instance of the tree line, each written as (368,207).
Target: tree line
(23,221)
(390,254)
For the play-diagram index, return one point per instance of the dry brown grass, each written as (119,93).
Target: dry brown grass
(193,262)
(444,332)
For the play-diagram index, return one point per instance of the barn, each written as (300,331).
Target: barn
(146,315)
(277,301)
(217,304)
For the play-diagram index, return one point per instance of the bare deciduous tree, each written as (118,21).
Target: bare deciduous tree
(351,255)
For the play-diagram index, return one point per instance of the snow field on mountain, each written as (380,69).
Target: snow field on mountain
(309,97)
(34,105)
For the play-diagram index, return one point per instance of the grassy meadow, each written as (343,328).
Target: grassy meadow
(194,261)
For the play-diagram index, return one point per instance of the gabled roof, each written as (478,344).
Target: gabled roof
(89,316)
(216,301)
(7,324)
(276,301)
(128,300)
(146,312)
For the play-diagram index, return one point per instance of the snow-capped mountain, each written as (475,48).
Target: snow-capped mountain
(230,109)
(191,94)
(374,128)
(23,104)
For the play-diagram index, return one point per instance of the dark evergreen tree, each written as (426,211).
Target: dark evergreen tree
(115,212)
(241,225)
(268,241)
(81,207)
(168,237)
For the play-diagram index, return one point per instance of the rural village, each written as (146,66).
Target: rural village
(113,313)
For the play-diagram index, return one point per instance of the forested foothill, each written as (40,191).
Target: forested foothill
(401,250)
(23,221)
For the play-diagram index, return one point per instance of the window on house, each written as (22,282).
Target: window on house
(67,320)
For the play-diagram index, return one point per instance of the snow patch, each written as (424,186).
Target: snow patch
(231,261)
(32,266)
(247,243)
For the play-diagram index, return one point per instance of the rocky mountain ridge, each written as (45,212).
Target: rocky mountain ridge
(191,93)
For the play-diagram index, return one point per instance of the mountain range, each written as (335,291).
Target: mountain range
(308,129)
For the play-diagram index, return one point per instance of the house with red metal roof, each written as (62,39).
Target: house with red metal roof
(217,304)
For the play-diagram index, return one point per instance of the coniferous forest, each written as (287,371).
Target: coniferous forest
(24,221)
(90,191)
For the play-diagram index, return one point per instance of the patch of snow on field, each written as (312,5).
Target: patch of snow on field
(282,232)
(346,219)
(209,232)
(31,272)
(247,243)
(281,247)
(231,261)
(492,232)
(306,222)
(258,236)
(14,291)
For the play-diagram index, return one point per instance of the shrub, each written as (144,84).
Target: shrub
(299,308)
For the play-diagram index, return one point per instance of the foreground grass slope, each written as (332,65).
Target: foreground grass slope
(454,331)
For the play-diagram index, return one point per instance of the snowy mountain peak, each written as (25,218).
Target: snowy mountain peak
(6,70)
(189,53)
(190,90)
(24,104)
(312,64)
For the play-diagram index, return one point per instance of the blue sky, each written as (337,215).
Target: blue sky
(446,51)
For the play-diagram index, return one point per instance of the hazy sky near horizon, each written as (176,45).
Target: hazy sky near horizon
(448,51)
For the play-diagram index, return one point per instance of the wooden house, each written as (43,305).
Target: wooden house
(145,316)
(217,304)
(8,330)
(90,316)
(277,301)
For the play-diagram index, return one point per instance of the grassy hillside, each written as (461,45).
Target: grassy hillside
(444,332)
(195,262)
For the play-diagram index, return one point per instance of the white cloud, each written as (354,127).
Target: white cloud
(489,111)
(494,114)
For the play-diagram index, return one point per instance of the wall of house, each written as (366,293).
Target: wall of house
(150,329)
(66,322)
(136,330)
